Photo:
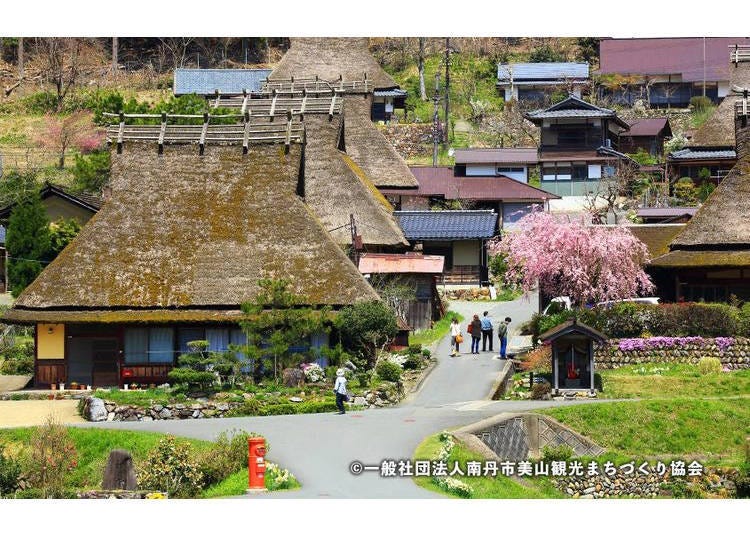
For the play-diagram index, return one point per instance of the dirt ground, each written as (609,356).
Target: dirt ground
(15,413)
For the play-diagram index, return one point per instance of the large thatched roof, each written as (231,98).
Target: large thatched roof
(184,234)
(718,130)
(329,58)
(722,220)
(336,187)
(370,150)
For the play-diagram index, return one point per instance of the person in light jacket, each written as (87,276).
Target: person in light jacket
(487,329)
(340,389)
(455,333)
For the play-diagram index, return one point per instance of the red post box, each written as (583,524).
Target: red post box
(256,464)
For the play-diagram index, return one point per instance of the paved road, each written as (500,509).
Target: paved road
(319,448)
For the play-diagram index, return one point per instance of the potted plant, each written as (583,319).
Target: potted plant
(53,386)
(74,385)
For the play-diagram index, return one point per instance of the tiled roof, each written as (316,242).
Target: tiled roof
(654,212)
(440,181)
(499,155)
(681,55)
(447,224)
(703,154)
(390,93)
(397,263)
(227,81)
(573,106)
(541,71)
(650,126)
(87,201)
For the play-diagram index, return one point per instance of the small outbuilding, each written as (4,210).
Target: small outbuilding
(572,355)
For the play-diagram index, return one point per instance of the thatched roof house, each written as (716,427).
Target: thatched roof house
(349,60)
(331,57)
(710,258)
(182,242)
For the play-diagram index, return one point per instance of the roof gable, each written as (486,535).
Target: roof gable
(572,326)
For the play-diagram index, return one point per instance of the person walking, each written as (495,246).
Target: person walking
(487,329)
(502,333)
(456,336)
(476,334)
(340,389)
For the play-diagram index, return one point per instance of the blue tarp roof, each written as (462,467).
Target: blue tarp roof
(2,234)
(542,71)
(227,81)
(447,224)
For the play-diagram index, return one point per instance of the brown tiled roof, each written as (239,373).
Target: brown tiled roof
(520,155)
(440,181)
(683,55)
(394,263)
(650,126)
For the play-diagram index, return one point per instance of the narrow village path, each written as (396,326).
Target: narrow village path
(319,448)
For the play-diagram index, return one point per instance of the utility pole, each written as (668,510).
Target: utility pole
(436,120)
(20,57)
(356,240)
(447,89)
(704,66)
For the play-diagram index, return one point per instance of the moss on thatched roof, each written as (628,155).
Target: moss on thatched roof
(702,259)
(722,220)
(190,232)
(718,130)
(335,188)
(656,236)
(370,150)
(329,58)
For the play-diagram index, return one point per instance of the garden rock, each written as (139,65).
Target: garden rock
(95,409)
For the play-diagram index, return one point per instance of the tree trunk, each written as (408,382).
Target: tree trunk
(20,57)
(115,53)
(422,91)
(447,90)
(62,159)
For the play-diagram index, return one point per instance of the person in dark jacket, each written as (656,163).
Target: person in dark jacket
(502,333)
(476,334)
(486,331)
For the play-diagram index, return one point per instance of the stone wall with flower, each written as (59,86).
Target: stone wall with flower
(732,352)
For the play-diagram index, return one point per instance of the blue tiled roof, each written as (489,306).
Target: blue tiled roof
(390,93)
(703,154)
(2,234)
(542,71)
(227,81)
(447,224)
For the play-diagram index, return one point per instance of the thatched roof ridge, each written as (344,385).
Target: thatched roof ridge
(182,231)
(329,57)
(722,220)
(370,150)
(336,188)
(718,130)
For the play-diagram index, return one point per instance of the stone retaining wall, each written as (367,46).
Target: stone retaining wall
(736,356)
(156,412)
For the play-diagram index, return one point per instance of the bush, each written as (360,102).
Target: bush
(91,171)
(426,353)
(366,326)
(414,349)
(413,362)
(313,372)
(249,407)
(700,103)
(388,371)
(364,379)
(539,390)
(18,359)
(709,365)
(40,103)
(538,360)
(10,471)
(559,453)
(51,459)
(228,455)
(170,467)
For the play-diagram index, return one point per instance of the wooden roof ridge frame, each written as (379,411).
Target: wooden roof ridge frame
(572,326)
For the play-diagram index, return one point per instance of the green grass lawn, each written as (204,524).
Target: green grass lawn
(93,447)
(440,329)
(484,487)
(711,430)
(657,380)
(236,484)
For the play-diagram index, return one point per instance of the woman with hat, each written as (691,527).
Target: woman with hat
(340,389)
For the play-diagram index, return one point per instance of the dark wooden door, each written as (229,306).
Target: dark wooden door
(105,363)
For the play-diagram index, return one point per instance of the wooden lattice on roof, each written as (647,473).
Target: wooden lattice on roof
(245,132)
(740,53)
(257,105)
(297,85)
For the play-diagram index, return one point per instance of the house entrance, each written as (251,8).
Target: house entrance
(93,361)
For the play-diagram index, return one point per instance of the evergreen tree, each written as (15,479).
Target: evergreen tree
(28,242)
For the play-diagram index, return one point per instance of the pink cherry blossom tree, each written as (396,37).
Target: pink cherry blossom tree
(586,263)
(74,131)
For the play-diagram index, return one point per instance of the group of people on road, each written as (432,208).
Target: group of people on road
(480,330)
